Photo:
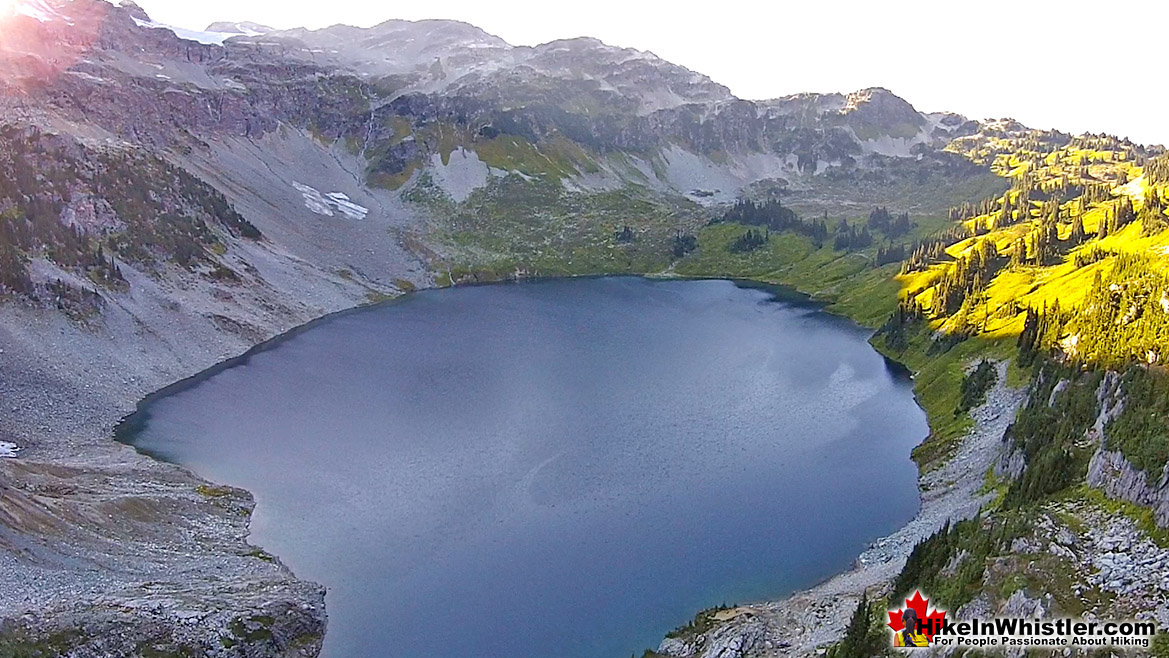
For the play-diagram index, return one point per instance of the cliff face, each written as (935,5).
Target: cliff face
(1112,473)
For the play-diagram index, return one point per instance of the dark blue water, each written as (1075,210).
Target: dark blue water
(555,469)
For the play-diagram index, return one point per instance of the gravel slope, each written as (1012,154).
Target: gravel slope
(98,539)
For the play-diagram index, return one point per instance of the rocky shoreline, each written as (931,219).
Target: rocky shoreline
(132,550)
(108,552)
(806,622)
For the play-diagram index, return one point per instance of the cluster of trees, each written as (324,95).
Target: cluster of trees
(1042,329)
(1086,257)
(162,212)
(1095,193)
(77,302)
(682,244)
(1140,431)
(966,278)
(624,235)
(908,314)
(970,210)
(932,249)
(1061,201)
(1125,315)
(1123,318)
(14,271)
(1116,216)
(1122,324)
(926,567)
(893,226)
(1157,170)
(1152,215)
(849,238)
(975,385)
(165,209)
(43,234)
(750,241)
(865,636)
(774,216)
(1039,247)
(1048,431)
(891,253)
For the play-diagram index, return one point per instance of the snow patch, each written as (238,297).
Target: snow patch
(330,204)
(205,38)
(8,449)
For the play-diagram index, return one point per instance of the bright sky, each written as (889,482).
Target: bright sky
(1051,64)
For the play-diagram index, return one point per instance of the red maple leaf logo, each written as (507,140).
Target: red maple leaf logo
(920,606)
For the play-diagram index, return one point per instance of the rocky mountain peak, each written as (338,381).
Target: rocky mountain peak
(881,105)
(132,8)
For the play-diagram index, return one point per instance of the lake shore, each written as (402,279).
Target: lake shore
(70,392)
(807,621)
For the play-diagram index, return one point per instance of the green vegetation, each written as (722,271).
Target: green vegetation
(702,622)
(1049,432)
(866,635)
(975,385)
(749,241)
(1141,516)
(19,644)
(147,210)
(772,215)
(249,631)
(261,554)
(1160,648)
(950,564)
(211,491)
(1141,431)
(527,227)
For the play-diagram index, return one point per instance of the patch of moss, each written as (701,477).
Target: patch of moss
(261,554)
(211,491)
(702,622)
(19,644)
(254,629)
(376,297)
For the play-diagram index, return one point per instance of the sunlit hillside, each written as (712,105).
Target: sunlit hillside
(1075,210)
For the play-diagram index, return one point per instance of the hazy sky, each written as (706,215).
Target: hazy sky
(1069,65)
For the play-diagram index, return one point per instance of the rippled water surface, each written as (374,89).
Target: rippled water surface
(554,469)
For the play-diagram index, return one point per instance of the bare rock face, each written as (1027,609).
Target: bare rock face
(1112,473)
(879,111)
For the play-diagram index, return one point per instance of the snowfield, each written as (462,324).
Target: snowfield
(330,204)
